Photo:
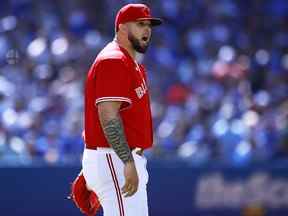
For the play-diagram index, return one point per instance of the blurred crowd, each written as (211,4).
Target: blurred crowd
(218,78)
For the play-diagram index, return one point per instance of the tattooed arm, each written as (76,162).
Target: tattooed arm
(113,129)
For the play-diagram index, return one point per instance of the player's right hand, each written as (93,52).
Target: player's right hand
(131,179)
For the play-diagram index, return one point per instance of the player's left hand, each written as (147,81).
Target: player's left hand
(87,201)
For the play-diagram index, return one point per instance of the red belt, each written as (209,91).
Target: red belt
(139,151)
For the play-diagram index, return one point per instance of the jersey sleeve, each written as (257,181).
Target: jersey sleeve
(113,82)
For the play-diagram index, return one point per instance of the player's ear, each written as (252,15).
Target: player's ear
(123,27)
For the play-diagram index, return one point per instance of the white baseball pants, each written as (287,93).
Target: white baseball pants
(104,174)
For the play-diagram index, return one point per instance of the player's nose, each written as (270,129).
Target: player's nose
(147,32)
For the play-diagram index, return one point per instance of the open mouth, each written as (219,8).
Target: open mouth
(145,39)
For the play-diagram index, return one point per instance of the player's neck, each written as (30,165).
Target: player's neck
(127,46)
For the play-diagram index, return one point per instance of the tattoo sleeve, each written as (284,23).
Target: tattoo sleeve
(115,135)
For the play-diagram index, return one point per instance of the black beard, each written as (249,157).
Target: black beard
(136,44)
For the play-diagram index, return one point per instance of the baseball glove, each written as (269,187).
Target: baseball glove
(87,201)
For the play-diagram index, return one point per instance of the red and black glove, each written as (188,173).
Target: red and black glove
(87,201)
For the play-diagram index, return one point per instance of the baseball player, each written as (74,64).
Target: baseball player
(118,123)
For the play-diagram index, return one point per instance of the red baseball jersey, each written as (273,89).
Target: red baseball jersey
(115,76)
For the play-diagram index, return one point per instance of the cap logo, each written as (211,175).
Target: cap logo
(146,11)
